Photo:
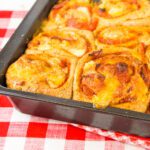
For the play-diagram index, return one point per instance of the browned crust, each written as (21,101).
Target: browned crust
(140,17)
(139,106)
(142,34)
(77,93)
(87,35)
(64,91)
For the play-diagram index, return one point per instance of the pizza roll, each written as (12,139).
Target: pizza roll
(75,13)
(123,36)
(72,41)
(44,74)
(112,12)
(112,79)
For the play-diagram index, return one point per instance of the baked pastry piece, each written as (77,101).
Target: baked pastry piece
(74,13)
(124,36)
(147,54)
(112,79)
(42,73)
(139,22)
(112,12)
(72,41)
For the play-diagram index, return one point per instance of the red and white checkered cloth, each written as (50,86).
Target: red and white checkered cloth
(24,132)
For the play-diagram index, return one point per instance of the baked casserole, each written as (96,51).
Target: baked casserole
(95,52)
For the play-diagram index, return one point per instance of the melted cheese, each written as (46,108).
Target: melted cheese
(105,96)
(117,33)
(69,41)
(77,15)
(36,70)
(117,8)
(85,12)
(120,9)
(89,68)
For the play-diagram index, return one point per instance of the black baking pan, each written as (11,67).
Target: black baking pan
(57,108)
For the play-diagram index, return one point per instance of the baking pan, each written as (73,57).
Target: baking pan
(57,108)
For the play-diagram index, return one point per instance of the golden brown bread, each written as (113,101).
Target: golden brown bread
(110,41)
(112,79)
(112,12)
(124,36)
(72,41)
(42,73)
(74,13)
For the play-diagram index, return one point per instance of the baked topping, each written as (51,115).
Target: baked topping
(114,79)
(125,36)
(69,41)
(121,67)
(93,82)
(107,65)
(116,35)
(38,72)
(77,15)
(117,8)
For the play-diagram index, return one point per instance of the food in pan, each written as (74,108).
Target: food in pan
(84,14)
(89,52)
(42,73)
(72,41)
(74,13)
(124,36)
(112,12)
(112,79)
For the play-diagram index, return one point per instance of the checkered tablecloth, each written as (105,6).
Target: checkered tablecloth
(24,132)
